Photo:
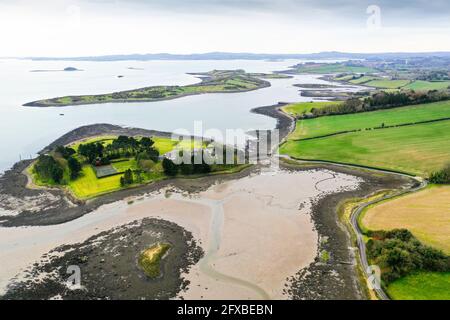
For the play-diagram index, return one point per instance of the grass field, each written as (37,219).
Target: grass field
(428,85)
(326,68)
(426,214)
(387,84)
(297,109)
(88,185)
(105,140)
(421,286)
(363,80)
(123,166)
(419,149)
(331,124)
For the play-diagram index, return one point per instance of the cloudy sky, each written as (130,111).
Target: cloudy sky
(97,27)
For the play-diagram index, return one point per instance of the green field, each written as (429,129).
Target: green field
(428,85)
(321,126)
(363,80)
(421,286)
(419,149)
(298,109)
(122,166)
(328,68)
(387,84)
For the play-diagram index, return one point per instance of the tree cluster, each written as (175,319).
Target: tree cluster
(127,178)
(441,177)
(47,168)
(172,169)
(73,164)
(399,253)
(123,146)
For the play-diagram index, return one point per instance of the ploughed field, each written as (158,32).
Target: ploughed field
(411,139)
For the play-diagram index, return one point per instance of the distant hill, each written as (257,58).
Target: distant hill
(248,56)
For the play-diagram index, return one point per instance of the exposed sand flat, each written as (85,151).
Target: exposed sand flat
(255,231)
(426,214)
(265,234)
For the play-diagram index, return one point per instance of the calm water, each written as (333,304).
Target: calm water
(24,130)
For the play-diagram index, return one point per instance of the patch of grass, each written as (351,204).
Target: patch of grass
(421,286)
(418,149)
(321,126)
(123,166)
(150,259)
(164,145)
(88,185)
(105,140)
(298,109)
(344,77)
(387,84)
(325,68)
(420,85)
(363,80)
(324,256)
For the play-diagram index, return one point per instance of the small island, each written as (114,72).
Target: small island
(67,69)
(104,164)
(217,81)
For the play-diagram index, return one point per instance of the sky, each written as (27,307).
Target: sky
(102,27)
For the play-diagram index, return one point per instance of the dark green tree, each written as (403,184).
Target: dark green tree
(74,167)
(170,168)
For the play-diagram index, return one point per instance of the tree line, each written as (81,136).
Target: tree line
(49,169)
(122,147)
(378,101)
(171,169)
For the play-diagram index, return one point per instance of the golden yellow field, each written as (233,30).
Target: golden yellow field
(426,214)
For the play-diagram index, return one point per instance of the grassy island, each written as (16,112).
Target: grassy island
(105,164)
(216,81)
